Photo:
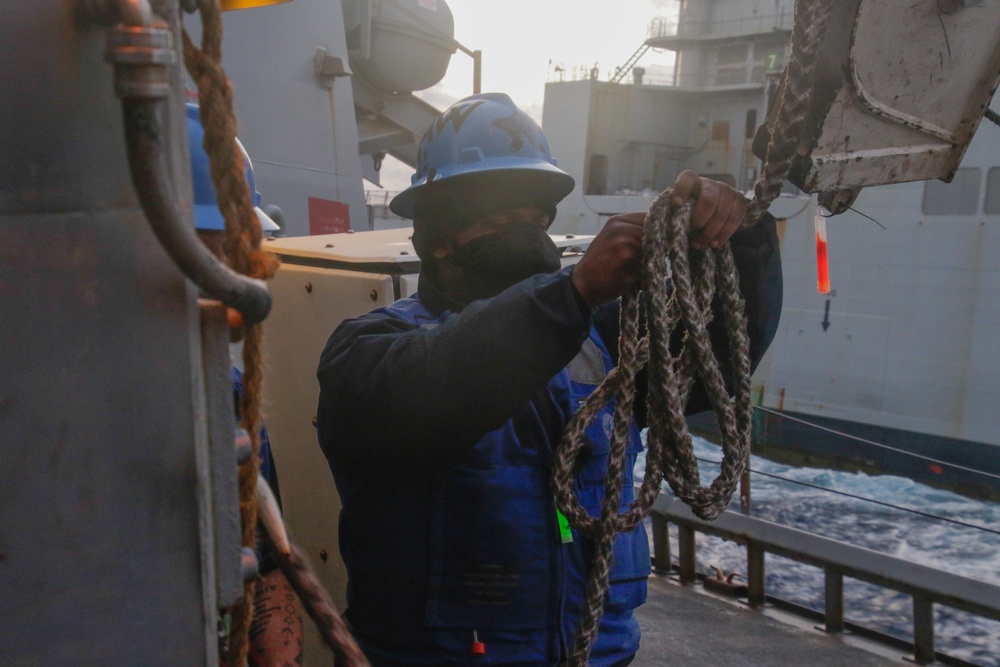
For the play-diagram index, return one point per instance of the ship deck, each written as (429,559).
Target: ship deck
(681,625)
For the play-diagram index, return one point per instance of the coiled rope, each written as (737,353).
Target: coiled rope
(243,253)
(680,284)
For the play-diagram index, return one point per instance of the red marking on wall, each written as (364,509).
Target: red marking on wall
(328,217)
(935,468)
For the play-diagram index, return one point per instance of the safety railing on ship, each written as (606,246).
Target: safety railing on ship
(925,585)
(733,25)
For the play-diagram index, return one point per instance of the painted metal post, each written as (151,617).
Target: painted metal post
(477,72)
(685,539)
(923,630)
(834,616)
(756,595)
(661,543)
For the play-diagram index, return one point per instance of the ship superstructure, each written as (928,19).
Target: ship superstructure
(625,142)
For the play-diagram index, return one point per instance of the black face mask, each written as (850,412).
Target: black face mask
(494,262)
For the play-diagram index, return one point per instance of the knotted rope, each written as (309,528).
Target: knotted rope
(680,285)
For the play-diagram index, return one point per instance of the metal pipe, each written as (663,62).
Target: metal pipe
(148,163)
(477,72)
(142,57)
(110,12)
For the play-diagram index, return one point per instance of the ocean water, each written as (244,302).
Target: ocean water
(957,549)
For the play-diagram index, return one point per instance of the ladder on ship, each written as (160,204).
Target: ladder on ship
(623,71)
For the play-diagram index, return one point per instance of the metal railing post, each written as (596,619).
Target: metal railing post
(923,630)
(685,540)
(834,616)
(661,544)
(477,72)
(756,594)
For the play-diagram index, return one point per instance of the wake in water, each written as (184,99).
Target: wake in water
(961,550)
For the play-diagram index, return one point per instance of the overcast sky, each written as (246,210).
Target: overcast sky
(523,41)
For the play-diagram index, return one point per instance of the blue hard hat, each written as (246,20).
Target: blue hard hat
(207,215)
(484,139)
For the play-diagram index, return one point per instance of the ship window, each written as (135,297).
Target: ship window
(731,55)
(993,191)
(960,197)
(751,127)
(597,181)
(731,76)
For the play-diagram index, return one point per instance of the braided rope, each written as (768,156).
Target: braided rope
(680,286)
(797,85)
(242,249)
(672,301)
(317,602)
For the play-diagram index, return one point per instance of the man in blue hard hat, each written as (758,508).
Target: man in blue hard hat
(439,413)
(276,631)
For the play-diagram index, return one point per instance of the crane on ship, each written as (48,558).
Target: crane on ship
(122,515)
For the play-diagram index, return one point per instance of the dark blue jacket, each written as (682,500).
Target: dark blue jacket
(439,428)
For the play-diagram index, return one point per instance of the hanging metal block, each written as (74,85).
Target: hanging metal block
(913,79)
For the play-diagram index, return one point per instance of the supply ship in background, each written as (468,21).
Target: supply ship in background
(902,351)
(118,538)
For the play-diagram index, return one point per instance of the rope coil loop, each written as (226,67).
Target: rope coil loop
(681,284)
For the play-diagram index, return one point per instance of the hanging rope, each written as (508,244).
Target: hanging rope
(242,248)
(680,285)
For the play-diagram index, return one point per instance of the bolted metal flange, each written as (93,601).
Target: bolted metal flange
(142,57)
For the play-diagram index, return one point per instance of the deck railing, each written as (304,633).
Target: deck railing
(925,585)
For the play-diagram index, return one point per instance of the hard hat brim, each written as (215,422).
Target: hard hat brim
(552,182)
(209,219)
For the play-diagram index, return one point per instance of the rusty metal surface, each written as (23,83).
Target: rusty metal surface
(919,77)
(101,420)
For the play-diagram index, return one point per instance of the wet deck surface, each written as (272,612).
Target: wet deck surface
(682,626)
